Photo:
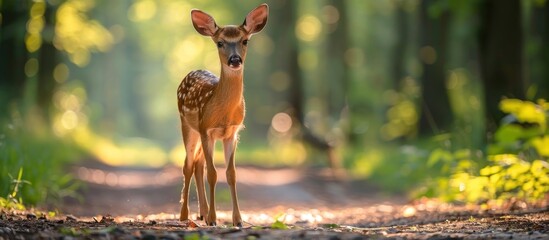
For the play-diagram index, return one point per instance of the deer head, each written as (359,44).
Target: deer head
(231,40)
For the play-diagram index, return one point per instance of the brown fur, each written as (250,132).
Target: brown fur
(231,32)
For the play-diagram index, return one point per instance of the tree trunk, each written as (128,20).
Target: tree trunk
(13,53)
(436,114)
(336,73)
(501,55)
(402,35)
(539,73)
(48,59)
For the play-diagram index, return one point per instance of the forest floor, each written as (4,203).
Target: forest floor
(284,203)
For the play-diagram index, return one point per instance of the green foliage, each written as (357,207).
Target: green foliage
(394,169)
(524,131)
(279,224)
(516,165)
(12,201)
(37,157)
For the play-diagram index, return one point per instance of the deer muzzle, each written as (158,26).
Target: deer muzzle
(235,61)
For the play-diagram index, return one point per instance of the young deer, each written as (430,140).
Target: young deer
(212,108)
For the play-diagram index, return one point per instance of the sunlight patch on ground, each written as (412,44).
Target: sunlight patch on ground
(173,175)
(299,216)
(129,179)
(130,152)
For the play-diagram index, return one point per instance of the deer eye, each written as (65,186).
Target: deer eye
(245,42)
(219,44)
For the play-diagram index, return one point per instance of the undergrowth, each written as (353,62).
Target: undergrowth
(33,160)
(515,165)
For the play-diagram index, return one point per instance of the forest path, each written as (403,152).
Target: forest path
(144,191)
(284,203)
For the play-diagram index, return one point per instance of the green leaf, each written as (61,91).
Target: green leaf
(279,225)
(509,133)
(528,186)
(510,105)
(489,170)
(439,155)
(541,144)
(525,111)
(331,225)
(516,170)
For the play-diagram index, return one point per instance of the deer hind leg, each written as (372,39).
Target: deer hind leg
(229,148)
(199,180)
(192,142)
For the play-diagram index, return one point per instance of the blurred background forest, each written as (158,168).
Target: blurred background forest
(439,98)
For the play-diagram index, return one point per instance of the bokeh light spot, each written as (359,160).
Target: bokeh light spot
(77,35)
(33,42)
(111,179)
(35,25)
(279,81)
(308,28)
(69,120)
(142,11)
(61,73)
(282,122)
(428,55)
(81,57)
(31,67)
(330,14)
(37,10)
(98,176)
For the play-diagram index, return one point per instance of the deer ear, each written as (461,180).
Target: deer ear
(203,23)
(256,19)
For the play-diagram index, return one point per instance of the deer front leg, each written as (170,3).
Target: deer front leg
(200,189)
(229,147)
(207,147)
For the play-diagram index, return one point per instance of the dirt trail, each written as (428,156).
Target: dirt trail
(133,191)
(125,203)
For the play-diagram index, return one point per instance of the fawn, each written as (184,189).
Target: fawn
(213,108)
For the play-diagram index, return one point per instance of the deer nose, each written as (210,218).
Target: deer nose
(235,61)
